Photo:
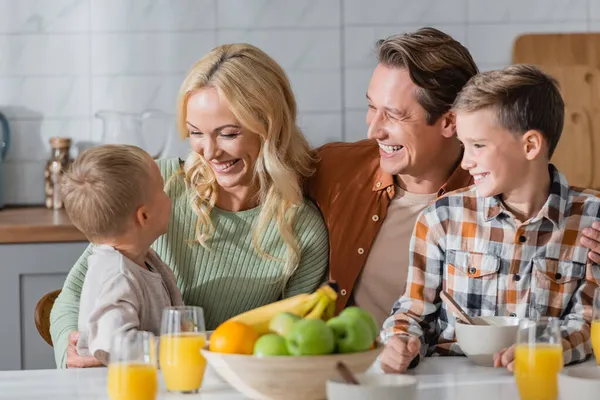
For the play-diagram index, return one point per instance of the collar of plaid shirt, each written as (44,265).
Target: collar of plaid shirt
(554,209)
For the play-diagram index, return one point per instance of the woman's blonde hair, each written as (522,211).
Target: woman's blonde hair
(260,96)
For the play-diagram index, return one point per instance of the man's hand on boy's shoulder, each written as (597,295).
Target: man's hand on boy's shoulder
(591,240)
(398,353)
(505,358)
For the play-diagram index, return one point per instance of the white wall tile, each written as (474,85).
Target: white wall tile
(292,49)
(177,148)
(39,16)
(44,55)
(24,182)
(394,12)
(30,138)
(318,91)
(539,11)
(359,42)
(135,93)
(355,127)
(493,43)
(594,26)
(321,128)
(594,10)
(489,67)
(239,14)
(37,97)
(153,15)
(356,83)
(143,53)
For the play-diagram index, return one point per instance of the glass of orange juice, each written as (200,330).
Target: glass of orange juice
(538,358)
(132,367)
(595,333)
(182,336)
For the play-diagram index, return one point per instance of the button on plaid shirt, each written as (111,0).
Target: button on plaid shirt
(476,250)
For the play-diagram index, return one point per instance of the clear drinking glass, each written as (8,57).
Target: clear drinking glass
(132,367)
(182,336)
(595,333)
(538,358)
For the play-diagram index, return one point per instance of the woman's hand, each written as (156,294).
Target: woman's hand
(74,360)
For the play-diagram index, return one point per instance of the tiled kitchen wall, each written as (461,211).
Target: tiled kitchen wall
(61,61)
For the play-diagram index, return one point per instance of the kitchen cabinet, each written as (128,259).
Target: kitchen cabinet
(38,247)
(28,271)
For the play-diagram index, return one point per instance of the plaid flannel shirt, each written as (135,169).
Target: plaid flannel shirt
(476,250)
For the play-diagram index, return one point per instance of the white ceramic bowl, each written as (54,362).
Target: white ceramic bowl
(579,382)
(374,386)
(481,342)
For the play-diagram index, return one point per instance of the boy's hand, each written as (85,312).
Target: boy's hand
(398,354)
(505,358)
(74,360)
(591,240)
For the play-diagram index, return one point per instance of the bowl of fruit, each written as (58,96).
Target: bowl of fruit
(290,348)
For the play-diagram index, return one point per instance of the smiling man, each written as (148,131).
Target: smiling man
(371,192)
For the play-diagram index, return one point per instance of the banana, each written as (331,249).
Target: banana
(317,312)
(327,290)
(329,311)
(317,305)
(260,317)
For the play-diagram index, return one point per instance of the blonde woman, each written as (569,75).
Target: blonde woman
(241,235)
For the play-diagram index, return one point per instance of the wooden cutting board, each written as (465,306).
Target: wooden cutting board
(575,157)
(579,84)
(557,49)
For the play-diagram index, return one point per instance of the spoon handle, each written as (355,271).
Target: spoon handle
(347,376)
(454,307)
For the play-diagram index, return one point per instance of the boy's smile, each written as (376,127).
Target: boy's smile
(492,155)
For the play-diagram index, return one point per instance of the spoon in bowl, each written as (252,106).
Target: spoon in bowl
(458,311)
(346,374)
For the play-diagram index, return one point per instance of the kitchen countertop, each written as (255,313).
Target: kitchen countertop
(37,225)
(449,378)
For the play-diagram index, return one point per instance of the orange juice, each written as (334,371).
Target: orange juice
(130,381)
(536,370)
(595,337)
(181,362)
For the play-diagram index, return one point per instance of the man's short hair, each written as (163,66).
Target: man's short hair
(439,65)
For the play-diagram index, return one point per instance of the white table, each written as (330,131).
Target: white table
(448,378)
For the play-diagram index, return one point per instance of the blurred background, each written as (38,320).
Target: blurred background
(63,61)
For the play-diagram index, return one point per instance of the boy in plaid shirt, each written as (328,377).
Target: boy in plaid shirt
(510,244)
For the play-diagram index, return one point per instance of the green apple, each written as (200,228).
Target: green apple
(270,344)
(282,323)
(352,333)
(361,313)
(310,337)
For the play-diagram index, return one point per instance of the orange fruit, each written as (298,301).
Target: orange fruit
(233,337)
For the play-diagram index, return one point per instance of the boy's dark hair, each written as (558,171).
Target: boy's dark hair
(525,99)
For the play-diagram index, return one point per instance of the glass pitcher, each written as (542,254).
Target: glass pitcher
(127,128)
